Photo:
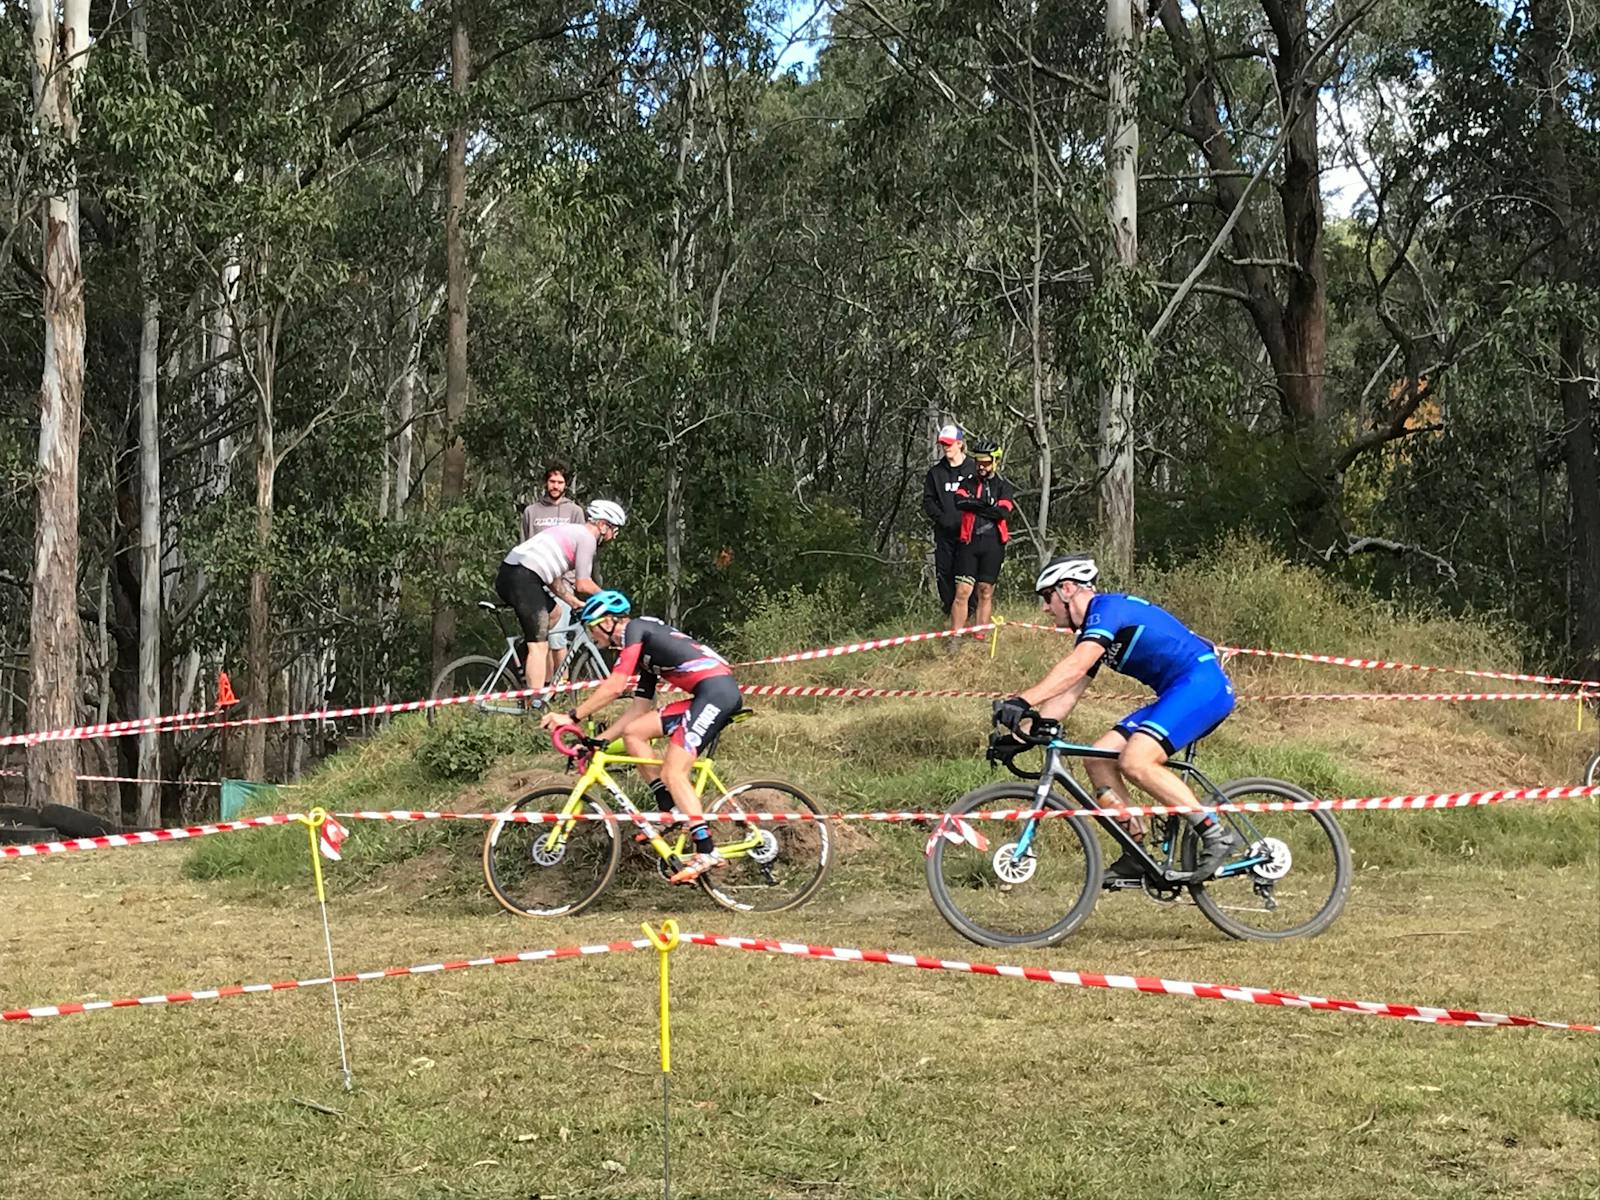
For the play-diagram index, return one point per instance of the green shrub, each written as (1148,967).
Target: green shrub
(463,750)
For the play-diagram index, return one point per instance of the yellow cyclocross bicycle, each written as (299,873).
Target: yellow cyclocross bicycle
(562,867)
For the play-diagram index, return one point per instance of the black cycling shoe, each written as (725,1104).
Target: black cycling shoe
(1218,844)
(1129,866)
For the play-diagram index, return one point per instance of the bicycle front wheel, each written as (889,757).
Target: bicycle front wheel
(1291,880)
(1013,883)
(551,870)
(772,865)
(1591,776)
(474,675)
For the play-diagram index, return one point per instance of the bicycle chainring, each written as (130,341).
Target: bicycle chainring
(1278,859)
(1162,893)
(1009,868)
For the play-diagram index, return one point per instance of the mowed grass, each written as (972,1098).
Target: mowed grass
(791,1078)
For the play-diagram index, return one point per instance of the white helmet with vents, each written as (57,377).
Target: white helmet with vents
(608,511)
(1064,568)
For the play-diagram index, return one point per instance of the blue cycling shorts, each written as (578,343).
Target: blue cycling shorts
(1186,711)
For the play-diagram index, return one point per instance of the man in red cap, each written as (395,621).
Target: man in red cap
(945,478)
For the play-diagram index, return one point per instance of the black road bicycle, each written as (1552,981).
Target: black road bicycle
(1033,882)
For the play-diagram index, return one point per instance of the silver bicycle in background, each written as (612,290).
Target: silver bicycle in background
(482,677)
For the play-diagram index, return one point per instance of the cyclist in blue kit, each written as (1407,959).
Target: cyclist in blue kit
(1139,639)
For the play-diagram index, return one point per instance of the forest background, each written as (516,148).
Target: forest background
(296,300)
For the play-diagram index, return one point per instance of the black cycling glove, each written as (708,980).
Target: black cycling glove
(1010,712)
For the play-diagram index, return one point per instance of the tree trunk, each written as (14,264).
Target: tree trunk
(60,50)
(258,644)
(1122,166)
(1577,411)
(453,472)
(148,700)
(1305,305)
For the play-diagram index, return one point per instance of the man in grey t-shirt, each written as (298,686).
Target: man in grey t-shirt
(554,507)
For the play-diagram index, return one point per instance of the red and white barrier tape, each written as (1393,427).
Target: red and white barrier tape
(1141,983)
(146,837)
(904,639)
(1376,664)
(1363,664)
(189,722)
(1436,800)
(838,693)
(250,989)
(1440,800)
(1085,979)
(209,718)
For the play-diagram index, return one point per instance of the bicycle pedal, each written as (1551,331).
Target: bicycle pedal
(1120,883)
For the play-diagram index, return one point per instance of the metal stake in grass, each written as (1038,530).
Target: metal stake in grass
(314,822)
(665,942)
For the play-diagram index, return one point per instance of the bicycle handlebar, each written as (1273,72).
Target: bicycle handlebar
(571,741)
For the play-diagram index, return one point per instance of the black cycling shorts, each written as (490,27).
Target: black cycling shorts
(528,597)
(695,723)
(978,561)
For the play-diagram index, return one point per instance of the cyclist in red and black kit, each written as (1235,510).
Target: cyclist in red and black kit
(656,652)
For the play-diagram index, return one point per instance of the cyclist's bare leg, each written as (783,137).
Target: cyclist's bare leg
(958,606)
(985,613)
(1109,785)
(533,667)
(676,764)
(557,657)
(636,736)
(1143,763)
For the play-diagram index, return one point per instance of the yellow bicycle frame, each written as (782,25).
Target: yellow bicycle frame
(703,773)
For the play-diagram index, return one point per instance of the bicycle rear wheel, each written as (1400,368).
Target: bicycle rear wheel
(473,675)
(1591,775)
(995,896)
(1292,880)
(772,865)
(551,870)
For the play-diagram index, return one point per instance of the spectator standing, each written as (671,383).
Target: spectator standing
(985,504)
(947,476)
(555,506)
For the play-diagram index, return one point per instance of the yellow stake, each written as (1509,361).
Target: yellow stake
(994,638)
(313,822)
(665,943)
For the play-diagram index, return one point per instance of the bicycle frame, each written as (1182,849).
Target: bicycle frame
(1053,772)
(508,671)
(702,774)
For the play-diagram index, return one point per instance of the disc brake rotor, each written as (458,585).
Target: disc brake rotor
(1011,869)
(1277,855)
(545,855)
(767,850)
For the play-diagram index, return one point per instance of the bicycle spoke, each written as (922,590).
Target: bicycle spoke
(550,870)
(1290,879)
(772,865)
(1005,883)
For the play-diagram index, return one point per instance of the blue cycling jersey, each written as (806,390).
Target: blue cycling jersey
(1143,640)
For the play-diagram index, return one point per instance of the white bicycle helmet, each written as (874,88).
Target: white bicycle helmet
(608,511)
(1076,568)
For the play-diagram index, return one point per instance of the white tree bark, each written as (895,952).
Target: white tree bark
(60,46)
(1122,164)
(149,684)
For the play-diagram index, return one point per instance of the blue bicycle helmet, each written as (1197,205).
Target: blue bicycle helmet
(604,604)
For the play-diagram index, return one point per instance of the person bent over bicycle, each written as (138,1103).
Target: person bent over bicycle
(532,579)
(1139,639)
(655,651)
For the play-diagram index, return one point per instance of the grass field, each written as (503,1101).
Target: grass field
(806,1079)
